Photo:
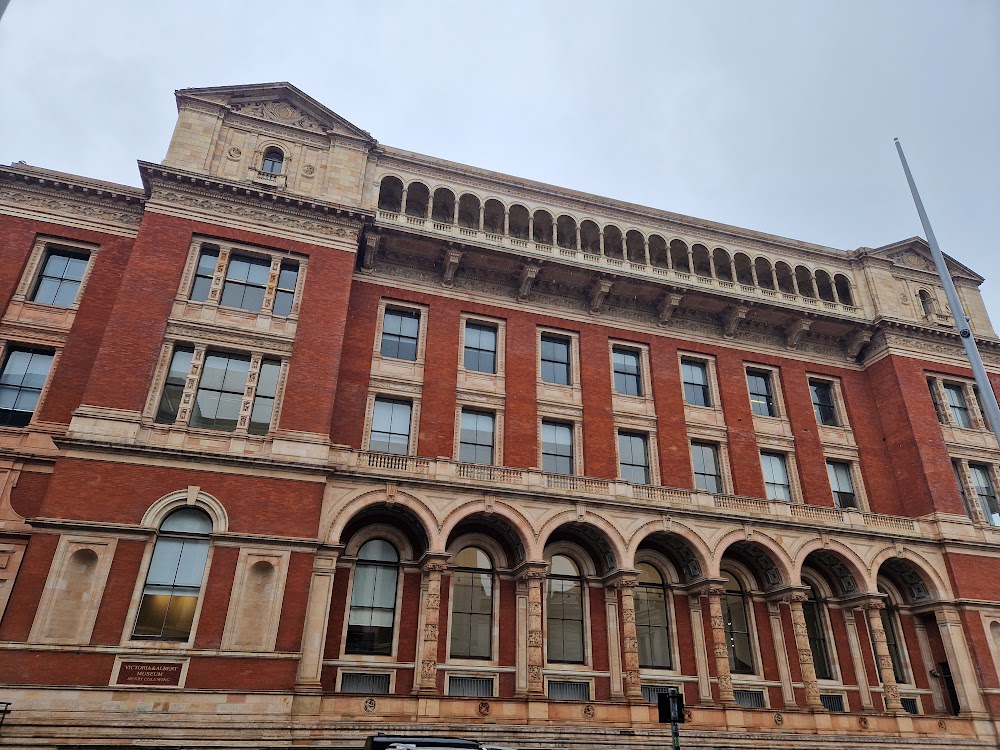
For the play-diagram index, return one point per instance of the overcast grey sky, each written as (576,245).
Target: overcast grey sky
(777,116)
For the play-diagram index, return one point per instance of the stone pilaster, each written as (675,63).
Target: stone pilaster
(890,689)
(719,647)
(431,571)
(535,578)
(806,664)
(316,621)
(630,654)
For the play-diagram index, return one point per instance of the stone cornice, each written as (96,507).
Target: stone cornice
(68,199)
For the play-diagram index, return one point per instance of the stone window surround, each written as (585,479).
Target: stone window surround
(501,359)
(47,343)
(700,434)
(574,356)
(397,393)
(153,518)
(475,402)
(226,248)
(768,444)
(646,428)
(751,595)
(973,504)
(33,268)
(201,348)
(777,395)
(938,382)
(499,561)
(713,380)
(588,577)
(255,170)
(645,373)
(849,457)
(670,582)
(361,669)
(575,420)
(989,618)
(839,404)
(349,560)
(422,312)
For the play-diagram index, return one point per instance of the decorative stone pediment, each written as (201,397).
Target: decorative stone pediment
(280,112)
(280,103)
(915,254)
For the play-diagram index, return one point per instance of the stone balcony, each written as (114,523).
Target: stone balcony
(504,479)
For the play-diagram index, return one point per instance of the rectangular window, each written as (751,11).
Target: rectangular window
(471,687)
(557,447)
(564,690)
(480,348)
(628,381)
(285,293)
(555,360)
(364,683)
(60,279)
(207,261)
(173,388)
(694,373)
(956,402)
(841,484)
(21,382)
(400,330)
(246,280)
(263,400)
(705,460)
(761,397)
(775,470)
(986,491)
(633,457)
(220,391)
(476,439)
(822,398)
(390,426)
(934,400)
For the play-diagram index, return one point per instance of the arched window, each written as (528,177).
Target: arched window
(472,607)
(737,626)
(564,611)
(173,581)
(813,609)
(651,620)
(273,159)
(925,302)
(373,600)
(890,618)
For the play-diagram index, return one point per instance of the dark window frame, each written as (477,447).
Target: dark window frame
(392,402)
(762,400)
(473,356)
(627,378)
(700,477)
(549,458)
(227,391)
(628,470)
(769,485)
(476,446)
(958,406)
(696,393)
(11,393)
(556,371)
(60,280)
(842,498)
(824,402)
(463,577)
(563,583)
(398,342)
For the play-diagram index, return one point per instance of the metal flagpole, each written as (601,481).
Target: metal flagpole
(986,393)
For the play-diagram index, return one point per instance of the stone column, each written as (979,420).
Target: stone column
(482,217)
(719,647)
(531,227)
(576,238)
(402,202)
(802,645)
(700,650)
(890,690)
(535,578)
(316,621)
(691,261)
(630,655)
(600,242)
(432,571)
(454,213)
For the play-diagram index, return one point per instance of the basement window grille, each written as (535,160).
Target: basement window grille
(471,687)
(565,690)
(363,682)
(749,698)
(649,692)
(910,705)
(832,702)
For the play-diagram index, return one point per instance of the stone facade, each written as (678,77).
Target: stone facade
(227,351)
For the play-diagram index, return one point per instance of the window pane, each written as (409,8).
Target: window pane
(60,279)
(220,392)
(191,566)
(956,402)
(390,426)
(841,484)
(705,460)
(822,398)
(399,334)
(695,377)
(761,402)
(626,372)
(557,448)
(283,303)
(21,382)
(634,459)
(775,476)
(555,360)
(480,348)
(173,388)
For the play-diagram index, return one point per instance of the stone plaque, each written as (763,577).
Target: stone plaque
(149,673)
